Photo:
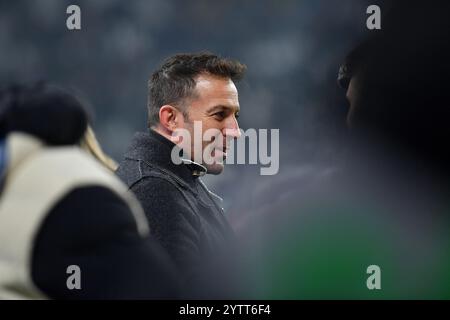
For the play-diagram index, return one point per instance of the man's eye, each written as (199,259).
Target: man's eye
(220,115)
(236,115)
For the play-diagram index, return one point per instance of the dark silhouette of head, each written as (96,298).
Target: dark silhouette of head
(398,81)
(47,112)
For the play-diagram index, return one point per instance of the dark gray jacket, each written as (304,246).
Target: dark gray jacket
(184,216)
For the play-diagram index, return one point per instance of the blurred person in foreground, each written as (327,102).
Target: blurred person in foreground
(60,207)
(187,92)
(386,204)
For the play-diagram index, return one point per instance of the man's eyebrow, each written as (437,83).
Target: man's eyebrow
(221,107)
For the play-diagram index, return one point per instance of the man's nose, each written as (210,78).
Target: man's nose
(232,129)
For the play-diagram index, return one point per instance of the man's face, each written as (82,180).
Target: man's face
(216,105)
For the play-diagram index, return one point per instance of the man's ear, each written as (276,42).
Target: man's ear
(170,117)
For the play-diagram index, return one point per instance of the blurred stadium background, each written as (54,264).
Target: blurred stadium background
(292,50)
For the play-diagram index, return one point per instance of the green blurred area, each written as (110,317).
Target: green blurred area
(326,256)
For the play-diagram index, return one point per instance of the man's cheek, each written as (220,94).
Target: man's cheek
(208,154)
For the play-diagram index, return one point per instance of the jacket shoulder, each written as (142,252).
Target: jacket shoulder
(133,171)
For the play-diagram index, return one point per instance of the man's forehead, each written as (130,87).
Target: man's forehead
(207,84)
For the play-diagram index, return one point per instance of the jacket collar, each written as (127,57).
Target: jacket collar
(19,146)
(156,150)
